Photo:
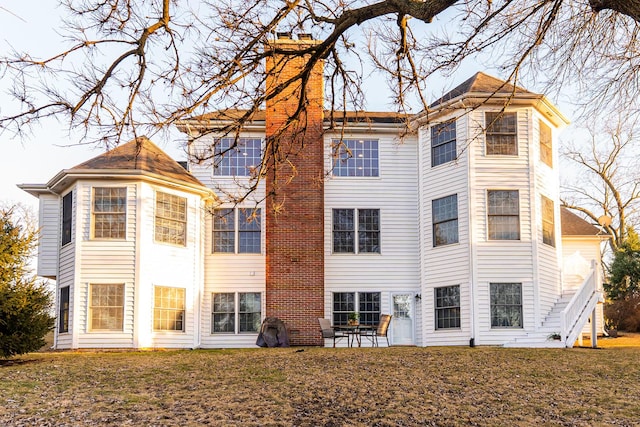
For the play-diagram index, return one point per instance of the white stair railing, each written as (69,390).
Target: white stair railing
(576,313)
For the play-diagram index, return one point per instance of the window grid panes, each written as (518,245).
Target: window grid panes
(109,212)
(445,220)
(249,231)
(168,309)
(443,143)
(355,157)
(369,308)
(447,307)
(503,215)
(249,312)
(548,223)
(546,152)
(63,314)
(224,236)
(506,305)
(367,224)
(106,307)
(237,159)
(67,215)
(501,133)
(171,219)
(343,231)
(343,304)
(223,316)
(368,230)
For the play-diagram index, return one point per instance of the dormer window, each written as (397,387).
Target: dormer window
(501,133)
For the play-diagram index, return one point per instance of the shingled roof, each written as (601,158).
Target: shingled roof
(481,83)
(573,225)
(139,154)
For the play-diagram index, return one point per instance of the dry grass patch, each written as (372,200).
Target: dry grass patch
(325,387)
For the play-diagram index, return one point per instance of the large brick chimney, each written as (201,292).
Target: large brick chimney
(295,195)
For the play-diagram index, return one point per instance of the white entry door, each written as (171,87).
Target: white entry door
(402,320)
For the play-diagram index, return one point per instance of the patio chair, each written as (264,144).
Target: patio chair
(329,331)
(380,331)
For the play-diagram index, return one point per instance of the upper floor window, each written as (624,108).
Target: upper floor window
(229,317)
(109,212)
(237,231)
(501,133)
(171,219)
(67,215)
(546,152)
(503,214)
(548,223)
(237,157)
(106,307)
(447,307)
(445,220)
(363,228)
(355,157)
(443,143)
(506,305)
(168,309)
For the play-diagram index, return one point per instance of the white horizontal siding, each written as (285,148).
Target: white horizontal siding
(48,243)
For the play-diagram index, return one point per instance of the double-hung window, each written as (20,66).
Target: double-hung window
(106,307)
(237,157)
(355,157)
(236,313)
(447,307)
(109,212)
(171,219)
(168,309)
(356,225)
(506,305)
(548,223)
(237,231)
(546,144)
(366,304)
(501,133)
(503,214)
(443,143)
(67,215)
(445,220)
(63,313)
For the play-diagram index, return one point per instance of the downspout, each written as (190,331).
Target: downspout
(472,251)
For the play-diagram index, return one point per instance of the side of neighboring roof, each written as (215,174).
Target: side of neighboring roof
(573,225)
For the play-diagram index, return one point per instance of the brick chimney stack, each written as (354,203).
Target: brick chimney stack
(294,217)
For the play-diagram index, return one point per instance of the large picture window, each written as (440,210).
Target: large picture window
(63,313)
(109,212)
(237,158)
(236,313)
(171,219)
(355,157)
(546,147)
(237,231)
(447,307)
(506,305)
(106,307)
(548,223)
(168,309)
(367,304)
(67,215)
(443,143)
(445,220)
(356,225)
(503,215)
(501,133)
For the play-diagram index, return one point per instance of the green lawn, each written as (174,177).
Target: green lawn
(325,387)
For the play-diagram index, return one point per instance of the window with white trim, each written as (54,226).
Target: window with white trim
(506,305)
(548,222)
(445,220)
(501,133)
(67,215)
(356,225)
(355,157)
(447,307)
(236,312)
(168,308)
(63,313)
(503,214)
(106,307)
(443,143)
(237,231)
(171,219)
(546,144)
(367,303)
(241,157)
(109,212)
